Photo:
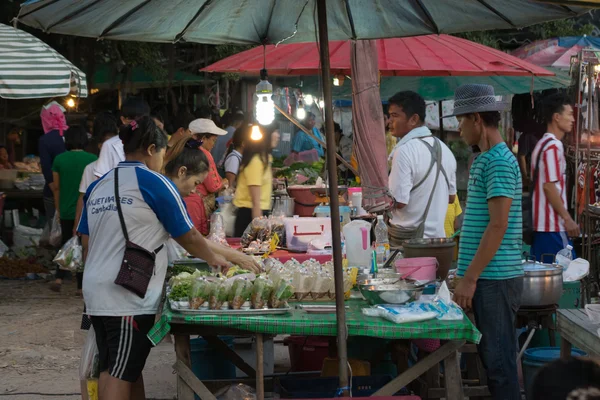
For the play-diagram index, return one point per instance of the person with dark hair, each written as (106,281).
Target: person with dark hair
(552,223)
(182,123)
(421,193)
(4,160)
(303,142)
(218,152)
(567,379)
(489,256)
(104,128)
(112,152)
(233,158)
(132,206)
(255,179)
(202,204)
(67,171)
(187,166)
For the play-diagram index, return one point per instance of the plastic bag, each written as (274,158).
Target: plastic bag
(3,248)
(200,293)
(175,252)
(258,229)
(218,296)
(261,292)
(55,238)
(411,312)
(236,392)
(240,292)
(70,256)
(88,366)
(24,236)
(281,294)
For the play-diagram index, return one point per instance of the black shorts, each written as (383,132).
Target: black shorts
(123,346)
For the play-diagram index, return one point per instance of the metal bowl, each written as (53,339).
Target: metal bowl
(377,281)
(390,294)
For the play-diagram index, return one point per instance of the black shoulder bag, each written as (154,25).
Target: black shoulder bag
(138,263)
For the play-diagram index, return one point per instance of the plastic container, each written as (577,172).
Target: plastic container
(358,243)
(355,196)
(305,200)
(382,242)
(307,353)
(536,358)
(427,267)
(208,363)
(564,257)
(299,232)
(326,388)
(323,211)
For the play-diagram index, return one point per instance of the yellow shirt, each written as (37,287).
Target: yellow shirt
(254,174)
(454,210)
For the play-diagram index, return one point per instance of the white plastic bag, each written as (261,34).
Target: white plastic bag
(175,251)
(70,256)
(55,238)
(24,236)
(88,366)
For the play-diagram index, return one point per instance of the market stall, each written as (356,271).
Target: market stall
(299,322)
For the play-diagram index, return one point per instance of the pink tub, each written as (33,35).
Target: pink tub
(427,267)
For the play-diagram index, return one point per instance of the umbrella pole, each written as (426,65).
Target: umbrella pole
(333,198)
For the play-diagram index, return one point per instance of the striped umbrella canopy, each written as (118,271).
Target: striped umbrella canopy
(30,69)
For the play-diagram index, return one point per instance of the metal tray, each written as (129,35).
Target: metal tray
(242,312)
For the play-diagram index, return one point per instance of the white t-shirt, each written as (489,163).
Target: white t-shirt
(233,161)
(409,166)
(111,154)
(153,210)
(88,177)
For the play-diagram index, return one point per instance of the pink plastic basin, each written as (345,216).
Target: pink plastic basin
(427,267)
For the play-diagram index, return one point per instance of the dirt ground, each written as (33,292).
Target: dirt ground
(40,345)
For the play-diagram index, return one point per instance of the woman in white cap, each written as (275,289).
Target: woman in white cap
(201,204)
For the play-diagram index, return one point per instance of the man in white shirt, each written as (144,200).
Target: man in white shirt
(111,153)
(421,193)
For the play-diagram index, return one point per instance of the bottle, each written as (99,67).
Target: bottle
(564,257)
(382,243)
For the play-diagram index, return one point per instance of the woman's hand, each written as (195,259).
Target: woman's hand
(217,260)
(245,262)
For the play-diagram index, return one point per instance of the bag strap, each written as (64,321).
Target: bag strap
(536,171)
(436,155)
(118,201)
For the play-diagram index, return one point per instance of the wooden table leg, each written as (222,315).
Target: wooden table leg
(182,351)
(260,367)
(565,348)
(453,379)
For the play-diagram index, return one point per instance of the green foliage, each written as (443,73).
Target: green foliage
(563,27)
(133,54)
(460,149)
(225,50)
(486,38)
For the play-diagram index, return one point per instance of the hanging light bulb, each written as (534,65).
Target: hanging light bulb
(70,103)
(265,110)
(336,81)
(321,104)
(308,99)
(256,134)
(300,113)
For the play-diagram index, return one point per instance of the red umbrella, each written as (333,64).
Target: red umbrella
(431,55)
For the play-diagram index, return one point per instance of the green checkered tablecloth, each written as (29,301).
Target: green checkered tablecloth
(298,322)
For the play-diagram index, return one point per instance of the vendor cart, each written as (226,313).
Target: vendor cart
(454,334)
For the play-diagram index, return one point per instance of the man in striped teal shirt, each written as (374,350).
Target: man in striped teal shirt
(489,259)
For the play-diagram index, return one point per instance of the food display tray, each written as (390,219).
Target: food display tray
(240,312)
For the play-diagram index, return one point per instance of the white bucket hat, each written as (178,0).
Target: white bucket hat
(203,125)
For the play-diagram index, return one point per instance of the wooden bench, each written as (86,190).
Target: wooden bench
(576,329)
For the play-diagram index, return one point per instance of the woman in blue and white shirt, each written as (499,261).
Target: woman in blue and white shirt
(153,211)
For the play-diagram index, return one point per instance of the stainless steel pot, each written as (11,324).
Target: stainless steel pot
(542,284)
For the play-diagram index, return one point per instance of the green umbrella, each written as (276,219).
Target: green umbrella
(277,21)
(30,69)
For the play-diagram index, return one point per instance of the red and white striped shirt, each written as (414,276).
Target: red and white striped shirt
(552,168)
